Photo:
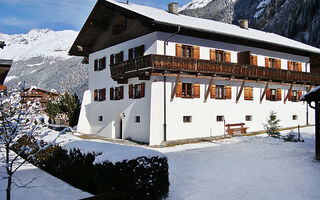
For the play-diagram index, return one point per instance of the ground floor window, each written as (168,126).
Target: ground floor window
(137,119)
(294,117)
(220,118)
(187,119)
(248,117)
(100,118)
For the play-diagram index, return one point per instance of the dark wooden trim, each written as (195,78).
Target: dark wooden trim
(199,67)
(289,91)
(208,89)
(264,92)
(175,88)
(241,89)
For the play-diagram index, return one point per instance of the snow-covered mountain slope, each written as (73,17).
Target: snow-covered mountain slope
(195,4)
(40,58)
(295,19)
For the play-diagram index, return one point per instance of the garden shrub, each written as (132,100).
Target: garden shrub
(142,178)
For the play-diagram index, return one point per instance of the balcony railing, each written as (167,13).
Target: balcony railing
(160,63)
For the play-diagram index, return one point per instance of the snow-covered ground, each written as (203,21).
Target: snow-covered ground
(256,167)
(41,185)
(248,168)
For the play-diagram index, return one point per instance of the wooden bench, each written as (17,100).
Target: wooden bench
(236,128)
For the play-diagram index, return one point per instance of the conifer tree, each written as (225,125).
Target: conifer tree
(272,125)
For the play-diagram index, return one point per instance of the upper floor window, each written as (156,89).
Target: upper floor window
(116,58)
(273,94)
(273,63)
(136,91)
(219,55)
(220,92)
(100,94)
(116,93)
(119,27)
(136,52)
(100,64)
(188,90)
(294,66)
(187,51)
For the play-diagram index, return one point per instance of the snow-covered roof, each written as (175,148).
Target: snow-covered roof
(205,25)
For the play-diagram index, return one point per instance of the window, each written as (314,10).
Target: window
(116,93)
(248,117)
(294,117)
(136,91)
(187,90)
(100,95)
(100,64)
(248,93)
(119,28)
(273,63)
(220,92)
(136,52)
(219,55)
(187,51)
(294,66)
(137,119)
(273,94)
(220,118)
(294,95)
(187,119)
(116,58)
(100,118)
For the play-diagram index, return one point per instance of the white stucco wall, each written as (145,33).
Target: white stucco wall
(150,108)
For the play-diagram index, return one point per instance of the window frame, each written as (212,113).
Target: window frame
(187,119)
(187,88)
(185,49)
(220,118)
(220,90)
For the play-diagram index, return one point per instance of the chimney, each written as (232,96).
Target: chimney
(243,23)
(173,8)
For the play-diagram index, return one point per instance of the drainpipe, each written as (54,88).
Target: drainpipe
(165,90)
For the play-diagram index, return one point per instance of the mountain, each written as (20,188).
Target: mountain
(295,19)
(40,58)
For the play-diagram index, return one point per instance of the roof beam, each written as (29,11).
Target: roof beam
(264,92)
(175,87)
(241,89)
(208,89)
(289,91)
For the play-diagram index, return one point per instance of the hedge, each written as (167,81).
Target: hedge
(142,178)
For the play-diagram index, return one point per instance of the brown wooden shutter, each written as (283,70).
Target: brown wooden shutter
(142,90)
(196,89)
(130,54)
(95,95)
(228,92)
(103,94)
(228,56)
(112,59)
(290,95)
(246,93)
(299,94)
(111,94)
(266,62)
(179,50)
(103,63)
(299,67)
(244,57)
(268,94)
(255,60)
(213,92)
(278,63)
(130,91)
(179,90)
(196,52)
(251,93)
(121,92)
(213,54)
(95,65)
(289,65)
(279,94)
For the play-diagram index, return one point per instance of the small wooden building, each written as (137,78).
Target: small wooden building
(31,94)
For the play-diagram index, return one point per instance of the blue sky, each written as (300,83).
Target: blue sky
(20,16)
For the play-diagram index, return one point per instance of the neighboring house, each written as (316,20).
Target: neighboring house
(156,75)
(4,69)
(33,94)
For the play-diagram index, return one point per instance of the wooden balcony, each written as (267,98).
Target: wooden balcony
(147,65)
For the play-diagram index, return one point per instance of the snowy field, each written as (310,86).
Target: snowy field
(248,168)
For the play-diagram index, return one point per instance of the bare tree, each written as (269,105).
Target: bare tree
(19,120)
